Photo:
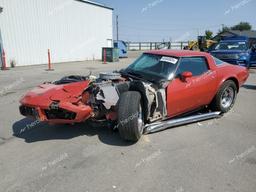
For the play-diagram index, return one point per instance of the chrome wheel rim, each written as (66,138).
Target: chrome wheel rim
(227,97)
(140,120)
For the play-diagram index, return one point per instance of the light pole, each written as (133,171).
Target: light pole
(117,28)
(2,54)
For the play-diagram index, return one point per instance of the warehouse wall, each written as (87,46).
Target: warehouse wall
(73,30)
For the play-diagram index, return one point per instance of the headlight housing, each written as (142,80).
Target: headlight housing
(243,56)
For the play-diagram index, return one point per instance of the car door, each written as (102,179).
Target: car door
(184,95)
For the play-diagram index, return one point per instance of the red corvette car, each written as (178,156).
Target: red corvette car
(160,89)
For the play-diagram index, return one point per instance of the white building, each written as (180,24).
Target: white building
(74,30)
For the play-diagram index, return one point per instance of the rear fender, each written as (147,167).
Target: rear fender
(233,78)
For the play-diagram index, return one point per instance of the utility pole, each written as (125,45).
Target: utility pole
(1,46)
(117,28)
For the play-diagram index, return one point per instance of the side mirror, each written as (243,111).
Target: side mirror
(186,74)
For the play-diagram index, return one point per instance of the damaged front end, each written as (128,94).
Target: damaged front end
(58,102)
(103,96)
(76,99)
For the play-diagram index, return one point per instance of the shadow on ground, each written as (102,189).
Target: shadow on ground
(33,131)
(252,87)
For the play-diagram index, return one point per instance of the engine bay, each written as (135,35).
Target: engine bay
(103,94)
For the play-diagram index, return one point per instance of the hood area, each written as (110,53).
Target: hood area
(47,93)
(228,51)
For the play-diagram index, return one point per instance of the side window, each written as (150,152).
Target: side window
(218,61)
(195,65)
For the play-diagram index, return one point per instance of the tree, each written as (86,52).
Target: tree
(208,34)
(242,26)
(224,29)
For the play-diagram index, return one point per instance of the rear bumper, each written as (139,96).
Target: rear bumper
(66,113)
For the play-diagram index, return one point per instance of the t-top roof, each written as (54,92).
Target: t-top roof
(177,53)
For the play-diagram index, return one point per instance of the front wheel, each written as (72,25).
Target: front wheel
(130,116)
(225,98)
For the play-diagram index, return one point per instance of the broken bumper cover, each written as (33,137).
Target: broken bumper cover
(65,113)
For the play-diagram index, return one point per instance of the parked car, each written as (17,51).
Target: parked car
(237,50)
(122,48)
(159,90)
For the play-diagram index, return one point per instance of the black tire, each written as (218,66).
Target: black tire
(218,104)
(130,116)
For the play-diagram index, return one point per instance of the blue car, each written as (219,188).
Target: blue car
(237,50)
(122,46)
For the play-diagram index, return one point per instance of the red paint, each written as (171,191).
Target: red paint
(111,116)
(178,53)
(183,95)
(105,56)
(4,67)
(68,96)
(49,61)
(186,75)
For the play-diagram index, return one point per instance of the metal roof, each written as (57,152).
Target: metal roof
(95,4)
(248,33)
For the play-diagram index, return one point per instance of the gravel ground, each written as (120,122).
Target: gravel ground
(216,155)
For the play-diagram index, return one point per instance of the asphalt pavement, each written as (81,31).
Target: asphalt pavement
(217,155)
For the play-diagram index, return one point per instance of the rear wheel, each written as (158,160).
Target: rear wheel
(130,116)
(226,96)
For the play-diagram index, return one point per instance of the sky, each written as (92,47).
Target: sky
(177,20)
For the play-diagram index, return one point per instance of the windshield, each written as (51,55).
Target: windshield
(152,67)
(232,45)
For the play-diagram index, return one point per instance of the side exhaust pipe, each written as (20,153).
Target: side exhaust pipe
(160,126)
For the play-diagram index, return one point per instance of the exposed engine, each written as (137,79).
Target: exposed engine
(103,95)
